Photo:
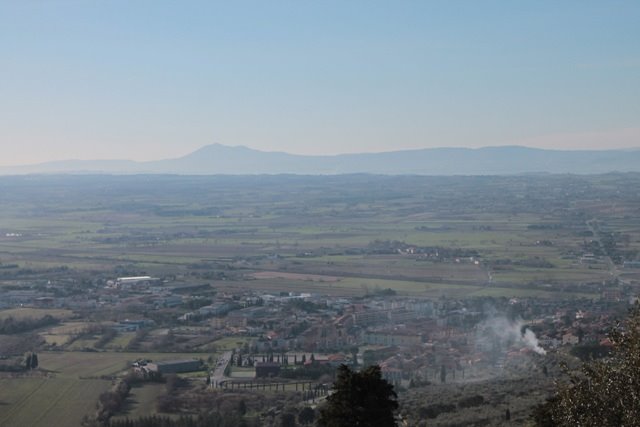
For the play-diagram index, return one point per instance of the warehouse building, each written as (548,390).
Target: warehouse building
(175,366)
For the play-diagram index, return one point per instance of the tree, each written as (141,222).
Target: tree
(306,415)
(604,392)
(354,354)
(27,360)
(359,399)
(288,420)
(34,361)
(242,407)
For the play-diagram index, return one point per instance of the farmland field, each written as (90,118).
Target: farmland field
(59,401)
(141,401)
(322,233)
(96,364)
(69,387)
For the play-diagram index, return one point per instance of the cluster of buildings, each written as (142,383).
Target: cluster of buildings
(409,337)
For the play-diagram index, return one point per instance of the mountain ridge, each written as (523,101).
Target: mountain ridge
(218,159)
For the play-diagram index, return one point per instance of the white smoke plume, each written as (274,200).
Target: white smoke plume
(503,332)
(531,341)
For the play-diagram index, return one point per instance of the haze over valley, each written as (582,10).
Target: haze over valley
(218,159)
(359,213)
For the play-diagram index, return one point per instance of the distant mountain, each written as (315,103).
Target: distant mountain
(220,159)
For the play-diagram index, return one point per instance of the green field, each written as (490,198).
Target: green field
(70,386)
(230,343)
(95,364)
(166,225)
(141,401)
(55,402)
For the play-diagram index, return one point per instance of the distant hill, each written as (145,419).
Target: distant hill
(220,159)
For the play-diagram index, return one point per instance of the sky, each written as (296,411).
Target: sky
(155,79)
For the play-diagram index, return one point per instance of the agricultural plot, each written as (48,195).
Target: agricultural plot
(249,221)
(97,364)
(121,341)
(142,401)
(47,402)
(230,343)
(68,385)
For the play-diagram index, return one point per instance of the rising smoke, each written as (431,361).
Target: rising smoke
(500,331)
(531,341)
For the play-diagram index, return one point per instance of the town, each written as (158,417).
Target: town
(292,342)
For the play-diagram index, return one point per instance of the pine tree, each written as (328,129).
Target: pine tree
(360,399)
(27,361)
(242,407)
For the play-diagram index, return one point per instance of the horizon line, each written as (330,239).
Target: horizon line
(355,153)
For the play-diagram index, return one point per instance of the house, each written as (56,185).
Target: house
(612,295)
(169,301)
(137,282)
(392,338)
(337,359)
(216,309)
(370,317)
(132,325)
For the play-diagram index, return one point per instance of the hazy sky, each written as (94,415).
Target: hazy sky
(156,79)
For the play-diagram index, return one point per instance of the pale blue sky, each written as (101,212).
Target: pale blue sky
(155,79)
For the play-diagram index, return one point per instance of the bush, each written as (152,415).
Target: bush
(432,411)
(471,401)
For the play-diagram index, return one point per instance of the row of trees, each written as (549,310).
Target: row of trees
(18,364)
(359,399)
(12,325)
(31,361)
(213,419)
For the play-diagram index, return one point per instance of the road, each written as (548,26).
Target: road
(219,377)
(592,224)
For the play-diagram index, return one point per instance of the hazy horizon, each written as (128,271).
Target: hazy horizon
(157,80)
(180,155)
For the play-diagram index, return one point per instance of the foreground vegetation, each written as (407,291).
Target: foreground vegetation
(604,392)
